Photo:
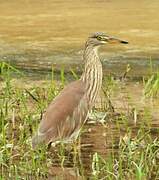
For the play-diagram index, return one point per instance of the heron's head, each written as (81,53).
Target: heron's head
(100,38)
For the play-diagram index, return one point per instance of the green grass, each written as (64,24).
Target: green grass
(136,159)
(152,86)
(133,153)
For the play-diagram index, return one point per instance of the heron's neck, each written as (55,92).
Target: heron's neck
(92,75)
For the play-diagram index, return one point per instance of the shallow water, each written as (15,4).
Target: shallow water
(36,34)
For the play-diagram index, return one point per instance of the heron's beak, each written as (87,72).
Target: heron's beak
(114,40)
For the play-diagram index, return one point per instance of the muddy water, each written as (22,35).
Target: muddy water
(35,34)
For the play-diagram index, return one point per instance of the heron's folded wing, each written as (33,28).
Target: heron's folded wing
(62,107)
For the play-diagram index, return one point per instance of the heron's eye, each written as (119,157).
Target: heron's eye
(99,38)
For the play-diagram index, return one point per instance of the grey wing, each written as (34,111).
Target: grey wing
(56,122)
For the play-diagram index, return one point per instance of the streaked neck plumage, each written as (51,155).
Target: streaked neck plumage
(92,75)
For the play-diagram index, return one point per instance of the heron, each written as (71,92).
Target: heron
(67,113)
